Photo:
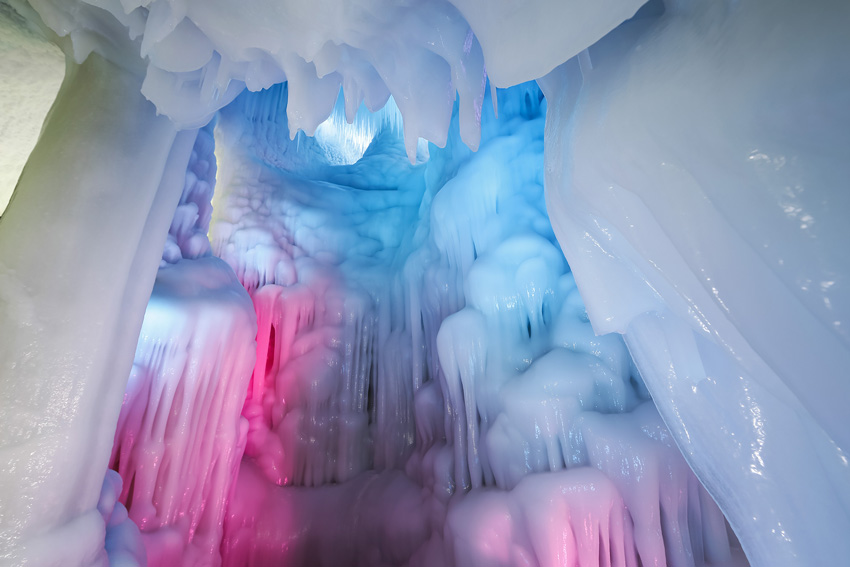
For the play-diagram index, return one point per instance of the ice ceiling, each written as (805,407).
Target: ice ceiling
(248,316)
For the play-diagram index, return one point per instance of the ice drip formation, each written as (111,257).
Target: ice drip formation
(437,283)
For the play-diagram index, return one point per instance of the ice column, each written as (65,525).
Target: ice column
(79,246)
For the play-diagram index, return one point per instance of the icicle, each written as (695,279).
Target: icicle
(179,438)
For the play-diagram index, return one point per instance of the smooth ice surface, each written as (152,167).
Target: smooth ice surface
(701,166)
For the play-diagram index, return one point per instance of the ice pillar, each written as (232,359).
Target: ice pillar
(79,248)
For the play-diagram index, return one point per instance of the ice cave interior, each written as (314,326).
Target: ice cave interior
(426,283)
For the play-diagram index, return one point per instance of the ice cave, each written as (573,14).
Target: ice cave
(425,283)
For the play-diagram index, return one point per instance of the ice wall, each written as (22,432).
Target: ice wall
(312,252)
(700,164)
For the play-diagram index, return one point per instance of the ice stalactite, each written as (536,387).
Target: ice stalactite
(308,250)
(180,436)
(198,58)
(529,388)
(307,404)
(572,517)
(62,388)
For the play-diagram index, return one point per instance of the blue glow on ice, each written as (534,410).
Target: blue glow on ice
(345,141)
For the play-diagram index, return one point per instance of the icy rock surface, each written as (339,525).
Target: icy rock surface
(433,326)
(180,436)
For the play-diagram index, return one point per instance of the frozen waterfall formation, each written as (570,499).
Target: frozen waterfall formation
(594,312)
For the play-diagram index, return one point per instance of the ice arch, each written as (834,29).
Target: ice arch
(709,211)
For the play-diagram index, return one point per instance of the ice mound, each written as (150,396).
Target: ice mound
(123,543)
(373,519)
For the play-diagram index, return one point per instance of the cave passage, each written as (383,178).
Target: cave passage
(425,387)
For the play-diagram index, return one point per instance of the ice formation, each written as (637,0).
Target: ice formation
(590,314)
(454,346)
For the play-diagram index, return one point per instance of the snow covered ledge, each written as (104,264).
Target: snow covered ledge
(697,184)
(79,248)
